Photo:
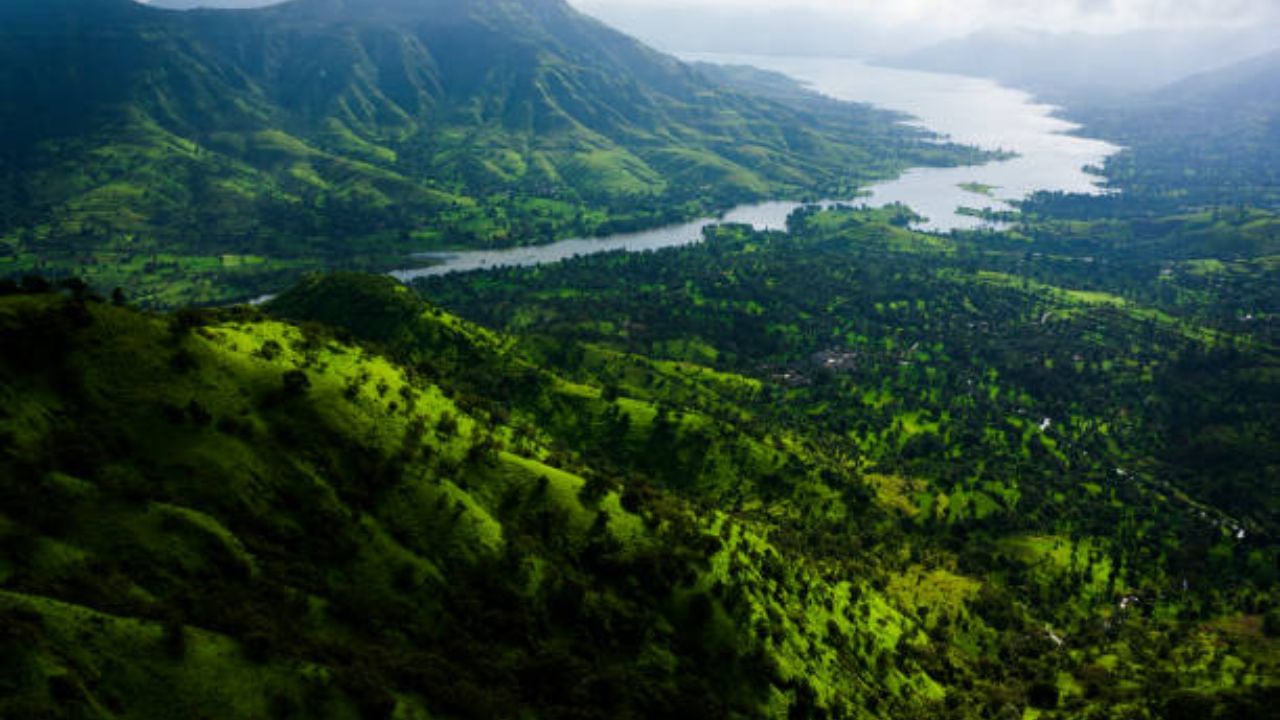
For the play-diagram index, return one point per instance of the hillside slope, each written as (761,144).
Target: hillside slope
(159,149)
(225,514)
(1212,139)
(1067,420)
(362,505)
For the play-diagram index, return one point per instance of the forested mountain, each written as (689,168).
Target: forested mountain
(1209,140)
(1224,125)
(172,151)
(285,523)
(847,471)
(842,470)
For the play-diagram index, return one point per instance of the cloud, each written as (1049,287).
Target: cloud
(955,17)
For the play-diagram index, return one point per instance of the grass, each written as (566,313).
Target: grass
(896,493)
(211,675)
(939,591)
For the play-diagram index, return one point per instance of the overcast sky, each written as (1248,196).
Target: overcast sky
(888,27)
(962,16)
(950,17)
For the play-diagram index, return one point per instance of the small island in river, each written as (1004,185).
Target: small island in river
(978,188)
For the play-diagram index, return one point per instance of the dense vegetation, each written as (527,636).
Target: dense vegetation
(278,522)
(848,470)
(1080,413)
(1212,140)
(211,155)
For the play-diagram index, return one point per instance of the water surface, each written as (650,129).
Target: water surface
(762,216)
(965,110)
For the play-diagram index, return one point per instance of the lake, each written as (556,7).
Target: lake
(965,110)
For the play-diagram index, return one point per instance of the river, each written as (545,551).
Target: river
(965,110)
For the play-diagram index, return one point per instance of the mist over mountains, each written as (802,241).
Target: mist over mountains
(1082,65)
(217,4)
(1062,63)
(1058,63)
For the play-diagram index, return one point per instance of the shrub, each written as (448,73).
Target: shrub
(174,638)
(447,426)
(1043,694)
(183,361)
(185,320)
(270,350)
(35,285)
(296,383)
(1271,623)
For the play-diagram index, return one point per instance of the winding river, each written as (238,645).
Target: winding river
(965,110)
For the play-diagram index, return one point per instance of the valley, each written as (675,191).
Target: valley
(204,175)
(587,382)
(1043,158)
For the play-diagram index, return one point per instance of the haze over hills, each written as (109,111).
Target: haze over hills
(737,29)
(215,4)
(358,131)
(1242,98)
(840,469)
(1066,66)
(1208,140)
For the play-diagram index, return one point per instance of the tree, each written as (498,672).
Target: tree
(296,383)
(1271,623)
(1043,694)
(174,637)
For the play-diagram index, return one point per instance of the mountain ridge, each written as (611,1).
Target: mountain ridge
(430,554)
(1083,68)
(1210,139)
(310,133)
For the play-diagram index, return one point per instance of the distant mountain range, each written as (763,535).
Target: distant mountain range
(1252,83)
(221,4)
(1211,139)
(335,128)
(1074,65)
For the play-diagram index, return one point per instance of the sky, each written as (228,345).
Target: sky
(957,17)
(942,18)
(890,28)
(1201,33)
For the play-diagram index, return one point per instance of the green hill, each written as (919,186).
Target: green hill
(845,470)
(359,505)
(226,515)
(1068,421)
(205,154)
(1209,140)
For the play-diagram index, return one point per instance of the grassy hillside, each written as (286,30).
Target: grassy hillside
(362,505)
(1066,420)
(225,514)
(202,155)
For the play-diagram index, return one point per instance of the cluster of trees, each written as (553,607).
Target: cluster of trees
(1058,388)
